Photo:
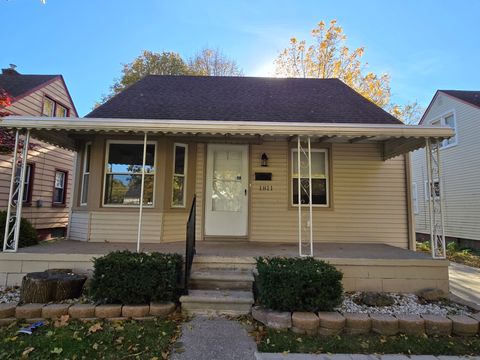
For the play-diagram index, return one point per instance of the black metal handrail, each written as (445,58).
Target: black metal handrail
(190,244)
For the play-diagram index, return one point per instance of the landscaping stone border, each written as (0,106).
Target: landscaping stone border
(10,312)
(332,323)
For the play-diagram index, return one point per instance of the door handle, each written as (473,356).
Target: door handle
(245,192)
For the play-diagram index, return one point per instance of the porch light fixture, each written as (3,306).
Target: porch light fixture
(264,159)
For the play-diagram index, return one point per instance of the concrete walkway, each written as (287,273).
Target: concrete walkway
(265,356)
(465,284)
(214,339)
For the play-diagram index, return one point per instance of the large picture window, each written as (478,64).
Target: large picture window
(85,174)
(179,175)
(123,174)
(319,160)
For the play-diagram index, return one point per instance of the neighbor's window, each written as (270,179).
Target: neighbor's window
(28,183)
(434,188)
(85,174)
(179,175)
(123,175)
(48,107)
(319,160)
(59,193)
(52,108)
(447,120)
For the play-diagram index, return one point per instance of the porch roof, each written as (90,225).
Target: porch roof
(395,139)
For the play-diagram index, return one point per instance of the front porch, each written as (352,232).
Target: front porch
(366,267)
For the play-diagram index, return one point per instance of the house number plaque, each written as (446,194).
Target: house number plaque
(266,188)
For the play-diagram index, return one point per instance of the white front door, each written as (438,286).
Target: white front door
(226,201)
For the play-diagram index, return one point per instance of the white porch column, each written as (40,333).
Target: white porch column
(14,207)
(435,199)
(308,154)
(142,189)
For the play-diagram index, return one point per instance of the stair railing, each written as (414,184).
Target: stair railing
(190,244)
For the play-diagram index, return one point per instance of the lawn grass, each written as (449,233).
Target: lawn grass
(286,341)
(149,339)
(466,256)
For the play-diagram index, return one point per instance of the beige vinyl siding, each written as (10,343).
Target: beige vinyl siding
(367,196)
(174,226)
(79,225)
(46,158)
(460,168)
(199,190)
(122,226)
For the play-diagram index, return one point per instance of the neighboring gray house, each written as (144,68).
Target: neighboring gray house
(460,166)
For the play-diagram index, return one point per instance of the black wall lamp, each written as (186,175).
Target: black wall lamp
(264,159)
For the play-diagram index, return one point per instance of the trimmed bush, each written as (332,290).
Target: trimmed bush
(28,234)
(298,284)
(135,278)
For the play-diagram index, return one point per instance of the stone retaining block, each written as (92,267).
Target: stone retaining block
(356,324)
(7,310)
(7,321)
(463,325)
(384,324)
(410,324)
(437,325)
(28,311)
(305,323)
(331,323)
(54,311)
(82,311)
(108,311)
(162,309)
(130,311)
(279,320)
(260,314)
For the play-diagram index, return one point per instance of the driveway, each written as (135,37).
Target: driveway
(465,284)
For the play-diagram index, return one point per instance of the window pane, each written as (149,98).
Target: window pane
(319,191)
(83,200)
(450,122)
(27,186)
(179,160)
(227,165)
(59,179)
(87,158)
(127,158)
(48,106)
(60,111)
(125,189)
(58,195)
(318,164)
(178,190)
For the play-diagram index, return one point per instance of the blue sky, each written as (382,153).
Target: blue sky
(424,45)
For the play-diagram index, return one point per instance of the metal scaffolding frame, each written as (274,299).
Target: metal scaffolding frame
(308,227)
(15,196)
(435,199)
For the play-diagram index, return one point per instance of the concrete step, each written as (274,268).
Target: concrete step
(223,262)
(221,279)
(217,302)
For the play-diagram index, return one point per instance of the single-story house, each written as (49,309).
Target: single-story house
(249,151)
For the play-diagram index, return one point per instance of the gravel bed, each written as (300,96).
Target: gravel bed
(404,304)
(9,294)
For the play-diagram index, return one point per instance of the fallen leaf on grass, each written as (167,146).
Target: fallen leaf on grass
(63,321)
(94,328)
(27,351)
(56,350)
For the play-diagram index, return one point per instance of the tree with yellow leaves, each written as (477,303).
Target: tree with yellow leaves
(329,57)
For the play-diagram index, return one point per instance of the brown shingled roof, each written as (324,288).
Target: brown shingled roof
(243,99)
(18,84)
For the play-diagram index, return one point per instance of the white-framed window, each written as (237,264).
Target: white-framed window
(320,187)
(123,174)
(179,179)
(448,119)
(59,187)
(28,184)
(85,173)
(415,197)
(53,108)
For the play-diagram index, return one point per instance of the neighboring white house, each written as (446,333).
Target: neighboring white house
(460,166)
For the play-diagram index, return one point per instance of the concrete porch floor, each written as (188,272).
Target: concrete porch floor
(234,249)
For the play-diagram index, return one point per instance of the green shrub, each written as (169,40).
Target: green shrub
(28,234)
(135,278)
(298,284)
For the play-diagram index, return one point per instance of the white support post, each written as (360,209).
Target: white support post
(308,154)
(14,207)
(140,210)
(436,199)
